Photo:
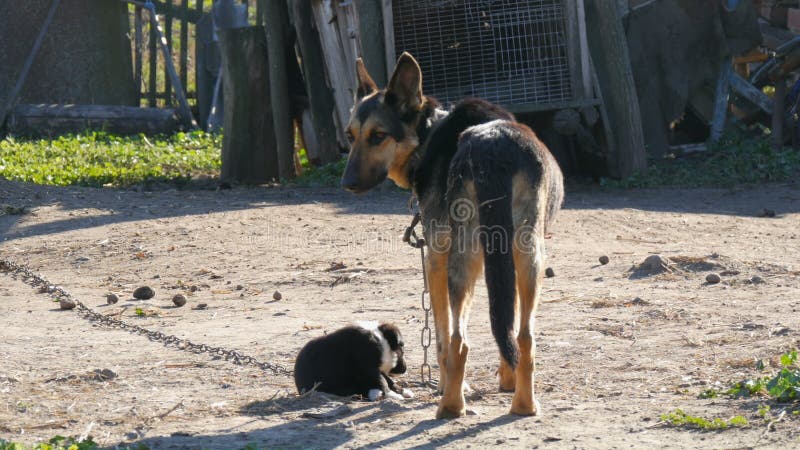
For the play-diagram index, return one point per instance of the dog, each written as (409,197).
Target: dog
(488,190)
(354,360)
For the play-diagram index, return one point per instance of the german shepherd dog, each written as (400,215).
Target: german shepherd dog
(488,189)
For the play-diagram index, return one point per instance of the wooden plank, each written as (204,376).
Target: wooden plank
(778,113)
(152,87)
(609,47)
(388,35)
(751,93)
(168,35)
(137,52)
(721,100)
(338,76)
(319,93)
(276,19)
(184,46)
(586,67)
(370,36)
(60,119)
(573,48)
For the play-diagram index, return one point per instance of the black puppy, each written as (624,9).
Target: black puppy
(354,360)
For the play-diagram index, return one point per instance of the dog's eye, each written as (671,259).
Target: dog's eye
(350,136)
(377,137)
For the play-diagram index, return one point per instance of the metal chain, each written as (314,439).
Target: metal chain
(35,280)
(415,241)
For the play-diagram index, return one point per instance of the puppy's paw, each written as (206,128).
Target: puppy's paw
(374,394)
(394,395)
(407,393)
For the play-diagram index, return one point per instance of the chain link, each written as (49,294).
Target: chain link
(37,281)
(415,241)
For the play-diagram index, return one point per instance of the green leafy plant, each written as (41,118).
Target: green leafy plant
(678,418)
(784,386)
(55,443)
(97,159)
(139,312)
(735,159)
(327,175)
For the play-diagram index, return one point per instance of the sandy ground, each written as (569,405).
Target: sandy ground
(616,348)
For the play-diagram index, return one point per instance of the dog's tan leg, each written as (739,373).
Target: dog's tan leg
(506,372)
(464,269)
(529,267)
(436,268)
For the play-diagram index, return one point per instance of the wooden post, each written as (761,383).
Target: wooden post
(721,99)
(609,48)
(152,49)
(137,57)
(184,44)
(778,112)
(373,48)
(168,35)
(319,93)
(248,144)
(276,19)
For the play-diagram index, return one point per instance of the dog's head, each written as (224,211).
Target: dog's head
(383,127)
(396,345)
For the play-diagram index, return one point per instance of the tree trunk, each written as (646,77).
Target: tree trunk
(609,48)
(248,144)
(319,93)
(276,20)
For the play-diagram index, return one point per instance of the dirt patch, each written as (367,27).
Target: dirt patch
(614,352)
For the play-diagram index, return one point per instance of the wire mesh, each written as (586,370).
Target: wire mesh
(505,51)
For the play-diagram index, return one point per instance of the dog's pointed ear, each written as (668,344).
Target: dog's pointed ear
(406,83)
(364,83)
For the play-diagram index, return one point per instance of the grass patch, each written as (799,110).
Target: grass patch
(736,159)
(782,387)
(678,418)
(56,443)
(98,159)
(328,175)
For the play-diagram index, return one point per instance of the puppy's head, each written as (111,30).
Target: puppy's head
(396,345)
(383,127)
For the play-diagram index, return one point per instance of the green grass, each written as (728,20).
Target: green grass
(328,175)
(782,386)
(736,159)
(678,418)
(98,159)
(56,443)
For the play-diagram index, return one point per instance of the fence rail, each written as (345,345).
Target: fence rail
(179,21)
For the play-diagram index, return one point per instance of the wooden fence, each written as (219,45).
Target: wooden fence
(179,21)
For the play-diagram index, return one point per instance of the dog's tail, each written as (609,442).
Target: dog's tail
(497,239)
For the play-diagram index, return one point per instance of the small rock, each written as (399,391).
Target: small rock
(604,260)
(239,287)
(654,263)
(179,300)
(713,278)
(201,306)
(66,303)
(764,212)
(277,295)
(193,288)
(549,273)
(112,298)
(144,293)
(756,280)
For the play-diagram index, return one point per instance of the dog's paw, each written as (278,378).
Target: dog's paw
(374,394)
(407,393)
(394,395)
